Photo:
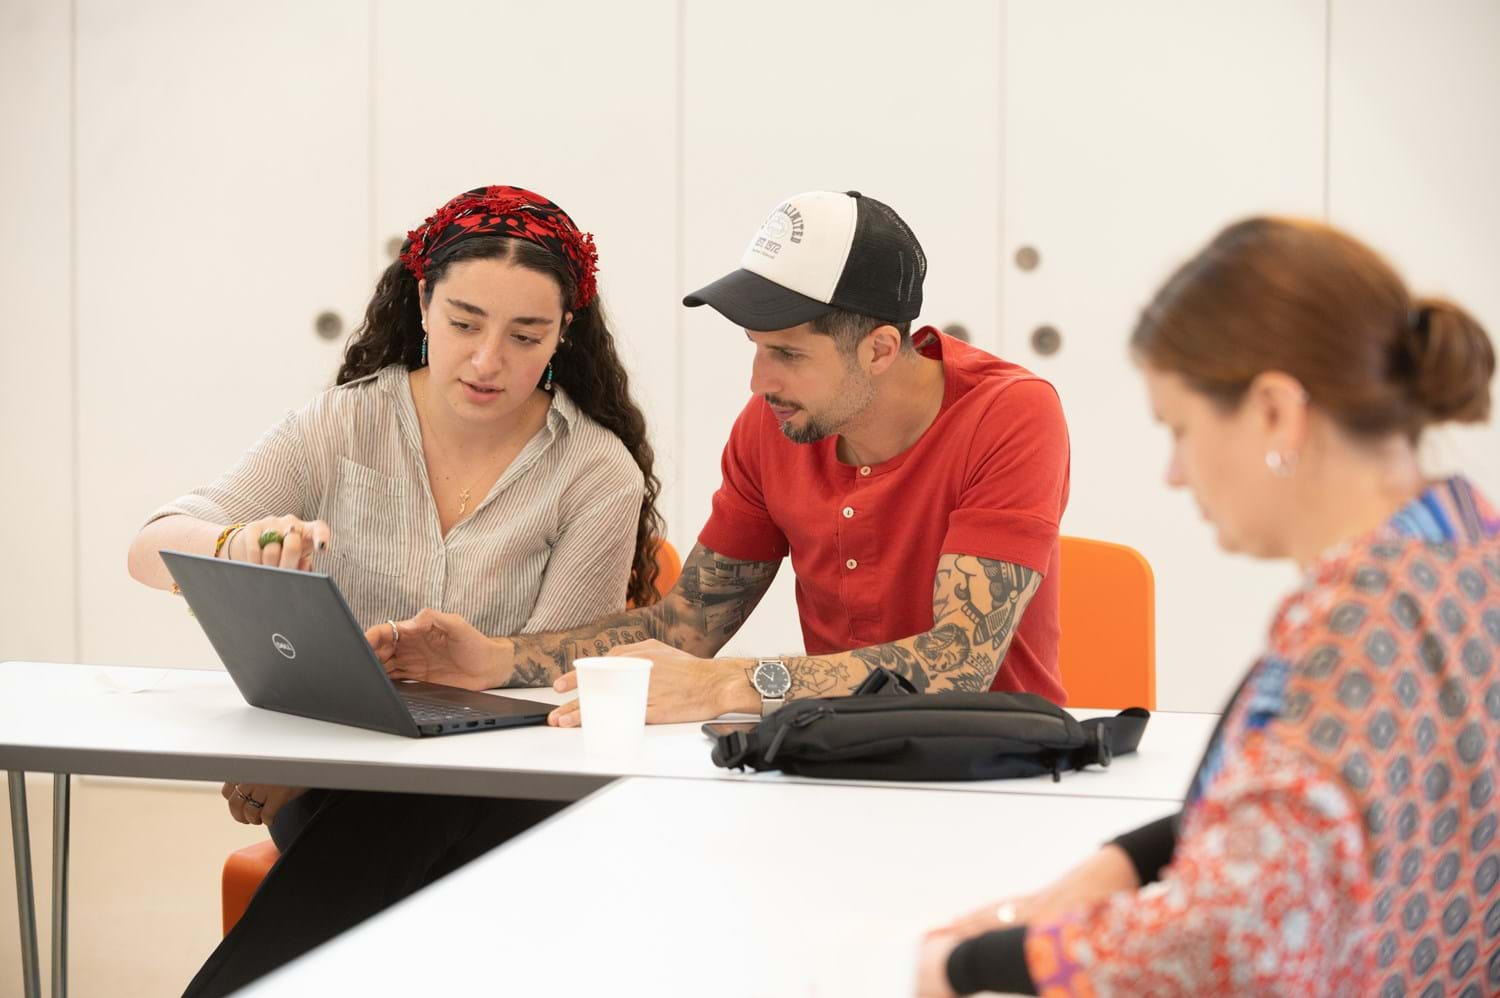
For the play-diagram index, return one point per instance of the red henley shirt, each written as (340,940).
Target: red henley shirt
(988,478)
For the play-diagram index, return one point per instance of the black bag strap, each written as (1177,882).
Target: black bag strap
(883,681)
(1108,736)
(1111,736)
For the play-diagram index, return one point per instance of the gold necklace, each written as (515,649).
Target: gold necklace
(466,493)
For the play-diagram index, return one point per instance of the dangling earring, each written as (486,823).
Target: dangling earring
(547,385)
(424,349)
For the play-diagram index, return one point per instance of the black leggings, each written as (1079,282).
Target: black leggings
(357,854)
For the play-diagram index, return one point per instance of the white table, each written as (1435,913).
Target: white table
(185,724)
(667,887)
(188,724)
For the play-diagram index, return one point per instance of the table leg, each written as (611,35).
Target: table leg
(61,805)
(20,832)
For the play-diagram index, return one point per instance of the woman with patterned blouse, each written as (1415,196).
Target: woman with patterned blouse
(481,453)
(1340,834)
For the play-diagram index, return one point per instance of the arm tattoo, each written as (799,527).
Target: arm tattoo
(529,674)
(976,605)
(601,642)
(942,593)
(711,600)
(992,603)
(819,677)
(896,657)
(977,678)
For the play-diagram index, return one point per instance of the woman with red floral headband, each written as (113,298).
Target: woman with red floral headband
(481,453)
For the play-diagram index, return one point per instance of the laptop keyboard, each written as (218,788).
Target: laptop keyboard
(432,712)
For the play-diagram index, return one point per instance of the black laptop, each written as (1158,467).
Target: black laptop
(290,643)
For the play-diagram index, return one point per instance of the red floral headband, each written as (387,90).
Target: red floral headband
(509,212)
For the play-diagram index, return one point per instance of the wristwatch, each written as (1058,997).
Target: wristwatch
(772,680)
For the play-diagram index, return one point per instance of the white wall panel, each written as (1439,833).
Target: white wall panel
(223,202)
(1133,132)
(37,591)
(1414,153)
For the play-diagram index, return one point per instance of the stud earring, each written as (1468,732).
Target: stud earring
(1281,465)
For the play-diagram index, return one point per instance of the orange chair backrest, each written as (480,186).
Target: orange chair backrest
(1107,610)
(668,567)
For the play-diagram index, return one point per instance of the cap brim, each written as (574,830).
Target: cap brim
(755,303)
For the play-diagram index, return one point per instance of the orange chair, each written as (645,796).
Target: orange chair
(243,871)
(246,868)
(1107,610)
(668,568)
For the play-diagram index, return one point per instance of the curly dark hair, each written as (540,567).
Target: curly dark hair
(588,368)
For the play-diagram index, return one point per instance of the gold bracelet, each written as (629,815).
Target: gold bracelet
(224,536)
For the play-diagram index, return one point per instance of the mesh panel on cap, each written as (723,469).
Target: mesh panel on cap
(883,275)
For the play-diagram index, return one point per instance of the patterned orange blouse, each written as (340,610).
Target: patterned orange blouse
(1340,836)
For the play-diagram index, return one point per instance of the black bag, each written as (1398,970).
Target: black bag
(877,733)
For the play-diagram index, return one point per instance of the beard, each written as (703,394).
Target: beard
(854,396)
(811,433)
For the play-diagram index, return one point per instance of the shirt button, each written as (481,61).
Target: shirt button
(865,471)
(848,512)
(851,563)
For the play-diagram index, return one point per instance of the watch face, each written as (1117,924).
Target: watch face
(772,679)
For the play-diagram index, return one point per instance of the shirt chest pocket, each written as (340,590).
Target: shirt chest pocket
(371,526)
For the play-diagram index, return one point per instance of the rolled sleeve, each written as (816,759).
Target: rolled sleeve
(1016,485)
(740,526)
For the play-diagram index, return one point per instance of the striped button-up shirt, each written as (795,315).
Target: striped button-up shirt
(549,547)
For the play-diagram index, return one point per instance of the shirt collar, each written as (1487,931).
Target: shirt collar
(563,413)
(1450,511)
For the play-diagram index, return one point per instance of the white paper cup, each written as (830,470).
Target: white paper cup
(612,703)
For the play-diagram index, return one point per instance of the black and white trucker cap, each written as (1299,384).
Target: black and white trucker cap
(817,252)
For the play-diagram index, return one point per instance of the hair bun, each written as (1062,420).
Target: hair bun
(1452,362)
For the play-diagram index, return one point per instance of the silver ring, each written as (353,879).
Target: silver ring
(247,798)
(395,633)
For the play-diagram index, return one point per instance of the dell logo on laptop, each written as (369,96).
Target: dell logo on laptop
(283,646)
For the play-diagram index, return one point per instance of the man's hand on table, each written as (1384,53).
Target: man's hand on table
(683,687)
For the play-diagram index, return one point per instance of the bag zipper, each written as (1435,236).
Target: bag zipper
(801,721)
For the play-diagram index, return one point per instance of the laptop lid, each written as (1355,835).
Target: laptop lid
(290,642)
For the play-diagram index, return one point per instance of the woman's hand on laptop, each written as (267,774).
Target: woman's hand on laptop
(257,803)
(288,542)
(435,647)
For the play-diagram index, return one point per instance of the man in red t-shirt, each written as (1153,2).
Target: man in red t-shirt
(916,482)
